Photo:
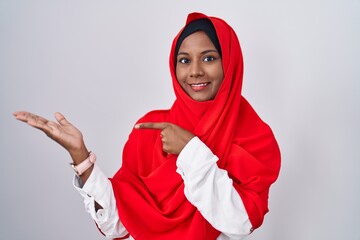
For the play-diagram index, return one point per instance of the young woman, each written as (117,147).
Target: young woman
(200,170)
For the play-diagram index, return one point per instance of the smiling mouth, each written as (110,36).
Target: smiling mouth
(199,86)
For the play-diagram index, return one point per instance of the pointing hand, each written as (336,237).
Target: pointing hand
(173,137)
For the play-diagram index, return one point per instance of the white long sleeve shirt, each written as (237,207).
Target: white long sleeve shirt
(207,187)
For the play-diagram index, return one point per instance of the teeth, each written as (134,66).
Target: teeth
(199,84)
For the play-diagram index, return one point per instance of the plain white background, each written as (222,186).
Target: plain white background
(105,63)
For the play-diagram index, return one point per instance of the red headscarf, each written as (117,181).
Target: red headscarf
(148,191)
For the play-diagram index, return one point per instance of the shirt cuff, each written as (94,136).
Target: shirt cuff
(194,149)
(96,188)
(96,178)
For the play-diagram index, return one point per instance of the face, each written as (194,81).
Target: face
(199,67)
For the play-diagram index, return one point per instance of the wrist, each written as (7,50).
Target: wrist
(79,155)
(84,165)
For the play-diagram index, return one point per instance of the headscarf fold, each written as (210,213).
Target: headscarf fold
(148,191)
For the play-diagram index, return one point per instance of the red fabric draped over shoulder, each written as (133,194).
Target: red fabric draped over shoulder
(148,191)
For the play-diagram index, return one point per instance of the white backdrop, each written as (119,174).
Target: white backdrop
(105,63)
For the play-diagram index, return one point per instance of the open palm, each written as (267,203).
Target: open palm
(62,131)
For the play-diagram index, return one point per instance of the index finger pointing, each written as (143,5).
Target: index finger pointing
(152,125)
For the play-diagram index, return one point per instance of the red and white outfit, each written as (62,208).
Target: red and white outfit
(216,188)
(206,186)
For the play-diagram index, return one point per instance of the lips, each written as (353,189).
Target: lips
(198,86)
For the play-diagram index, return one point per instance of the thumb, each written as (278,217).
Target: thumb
(61,119)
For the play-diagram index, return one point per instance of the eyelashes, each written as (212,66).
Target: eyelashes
(208,59)
(185,60)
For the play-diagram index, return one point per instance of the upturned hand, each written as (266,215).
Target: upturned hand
(62,132)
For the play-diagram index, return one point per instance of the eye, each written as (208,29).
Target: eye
(208,59)
(184,60)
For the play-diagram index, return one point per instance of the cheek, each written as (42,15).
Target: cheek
(179,75)
(219,77)
(220,71)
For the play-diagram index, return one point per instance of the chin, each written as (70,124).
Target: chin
(201,99)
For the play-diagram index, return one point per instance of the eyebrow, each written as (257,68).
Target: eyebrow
(203,52)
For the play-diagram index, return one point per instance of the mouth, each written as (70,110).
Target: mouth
(198,86)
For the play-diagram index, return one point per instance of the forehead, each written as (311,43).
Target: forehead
(197,41)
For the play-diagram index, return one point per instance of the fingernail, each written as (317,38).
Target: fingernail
(137,126)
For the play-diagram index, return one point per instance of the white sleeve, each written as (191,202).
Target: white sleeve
(211,191)
(98,188)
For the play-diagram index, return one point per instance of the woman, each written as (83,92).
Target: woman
(201,170)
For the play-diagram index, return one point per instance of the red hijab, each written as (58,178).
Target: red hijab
(148,191)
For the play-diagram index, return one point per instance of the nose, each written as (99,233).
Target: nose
(196,69)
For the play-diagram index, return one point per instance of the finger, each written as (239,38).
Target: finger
(27,116)
(21,115)
(152,125)
(39,124)
(61,119)
(38,118)
(18,113)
